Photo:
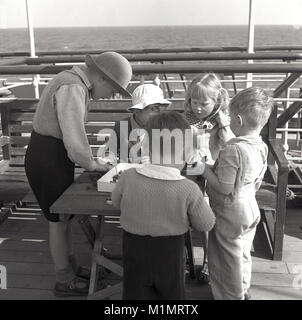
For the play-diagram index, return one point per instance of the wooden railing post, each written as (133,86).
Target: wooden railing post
(280,217)
(5,128)
(272,125)
(289,113)
(286,84)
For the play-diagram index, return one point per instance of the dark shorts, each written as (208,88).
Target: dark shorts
(49,171)
(153,267)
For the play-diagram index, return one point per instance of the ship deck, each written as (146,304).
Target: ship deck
(30,273)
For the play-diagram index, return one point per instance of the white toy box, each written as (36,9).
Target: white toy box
(107,182)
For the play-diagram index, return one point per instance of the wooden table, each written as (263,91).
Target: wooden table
(82,198)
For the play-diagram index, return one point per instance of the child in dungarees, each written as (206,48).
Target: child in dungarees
(206,104)
(231,186)
(158,206)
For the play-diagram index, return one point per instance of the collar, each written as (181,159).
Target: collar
(160,172)
(79,71)
(199,124)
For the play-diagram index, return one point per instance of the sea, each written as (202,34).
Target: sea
(147,37)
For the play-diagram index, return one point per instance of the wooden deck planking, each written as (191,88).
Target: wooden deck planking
(31,275)
(275,293)
(29,268)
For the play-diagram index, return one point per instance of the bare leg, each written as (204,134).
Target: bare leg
(70,248)
(204,239)
(203,277)
(80,271)
(59,249)
(67,284)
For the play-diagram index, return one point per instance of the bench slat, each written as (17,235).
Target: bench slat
(99,117)
(24,140)
(17,152)
(90,128)
(113,105)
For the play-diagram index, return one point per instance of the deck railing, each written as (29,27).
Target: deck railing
(158,50)
(276,68)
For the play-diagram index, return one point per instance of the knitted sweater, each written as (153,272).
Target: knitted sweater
(62,112)
(160,204)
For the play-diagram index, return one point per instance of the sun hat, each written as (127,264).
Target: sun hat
(114,67)
(147,94)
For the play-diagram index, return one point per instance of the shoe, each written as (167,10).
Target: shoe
(83,272)
(203,276)
(247,296)
(109,255)
(76,287)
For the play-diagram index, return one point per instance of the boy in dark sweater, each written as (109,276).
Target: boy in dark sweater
(158,206)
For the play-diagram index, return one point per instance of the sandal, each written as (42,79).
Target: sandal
(203,276)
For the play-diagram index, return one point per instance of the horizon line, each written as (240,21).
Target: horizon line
(176,25)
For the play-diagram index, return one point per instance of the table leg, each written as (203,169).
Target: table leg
(99,261)
(96,251)
(87,229)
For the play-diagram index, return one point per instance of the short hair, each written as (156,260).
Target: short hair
(209,85)
(254,105)
(167,120)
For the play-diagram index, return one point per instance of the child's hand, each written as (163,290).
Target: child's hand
(103,166)
(145,160)
(196,169)
(223,119)
(107,158)
(4,140)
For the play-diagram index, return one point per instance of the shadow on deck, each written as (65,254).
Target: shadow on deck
(30,276)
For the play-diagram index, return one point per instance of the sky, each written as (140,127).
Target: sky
(72,13)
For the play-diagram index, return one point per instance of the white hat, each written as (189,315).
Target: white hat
(147,94)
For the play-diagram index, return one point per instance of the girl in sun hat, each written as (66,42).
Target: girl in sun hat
(58,142)
(147,101)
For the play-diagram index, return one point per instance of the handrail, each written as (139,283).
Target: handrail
(289,113)
(286,84)
(168,68)
(160,57)
(13,61)
(157,50)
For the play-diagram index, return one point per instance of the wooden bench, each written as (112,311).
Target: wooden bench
(16,120)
